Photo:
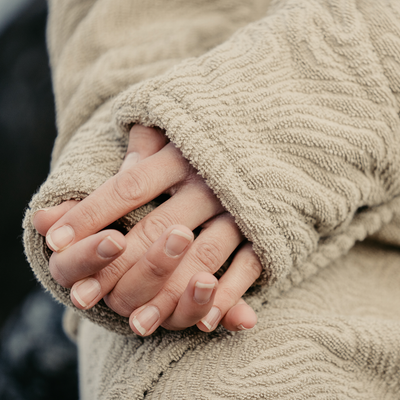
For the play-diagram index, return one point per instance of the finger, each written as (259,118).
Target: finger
(195,302)
(241,274)
(192,205)
(44,218)
(124,192)
(207,253)
(90,254)
(141,237)
(142,282)
(143,142)
(240,317)
(182,209)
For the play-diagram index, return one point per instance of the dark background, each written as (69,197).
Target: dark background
(37,361)
(27,130)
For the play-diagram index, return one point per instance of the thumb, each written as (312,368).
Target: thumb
(45,218)
(143,143)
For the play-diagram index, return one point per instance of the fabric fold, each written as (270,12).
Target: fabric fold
(292,122)
(334,335)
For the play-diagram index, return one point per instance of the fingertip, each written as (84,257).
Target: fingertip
(38,220)
(203,287)
(241,317)
(85,293)
(59,239)
(182,230)
(44,218)
(248,322)
(211,320)
(112,244)
(120,239)
(196,304)
(145,320)
(178,239)
(205,278)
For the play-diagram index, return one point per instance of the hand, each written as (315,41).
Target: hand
(152,169)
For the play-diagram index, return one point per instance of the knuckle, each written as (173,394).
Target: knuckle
(120,303)
(113,272)
(130,186)
(154,270)
(151,227)
(91,217)
(171,293)
(209,255)
(228,296)
(118,300)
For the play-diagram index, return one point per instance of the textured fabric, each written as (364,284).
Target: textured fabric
(94,57)
(293,122)
(335,336)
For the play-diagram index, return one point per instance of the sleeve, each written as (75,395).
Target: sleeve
(293,120)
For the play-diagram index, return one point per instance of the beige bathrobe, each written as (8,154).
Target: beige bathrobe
(290,111)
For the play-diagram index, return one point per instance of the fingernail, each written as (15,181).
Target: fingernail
(177,242)
(131,159)
(212,318)
(60,238)
(40,209)
(146,319)
(242,328)
(108,247)
(203,292)
(86,291)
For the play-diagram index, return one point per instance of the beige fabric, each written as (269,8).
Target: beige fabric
(96,50)
(390,233)
(293,121)
(333,337)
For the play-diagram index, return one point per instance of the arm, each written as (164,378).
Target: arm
(155,277)
(92,62)
(319,151)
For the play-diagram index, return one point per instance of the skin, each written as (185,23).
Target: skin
(142,279)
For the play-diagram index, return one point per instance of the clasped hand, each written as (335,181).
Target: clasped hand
(157,274)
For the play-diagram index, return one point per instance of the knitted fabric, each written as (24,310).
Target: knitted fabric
(332,337)
(291,119)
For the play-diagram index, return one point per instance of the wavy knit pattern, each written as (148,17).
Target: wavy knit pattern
(93,61)
(332,337)
(293,121)
(98,48)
